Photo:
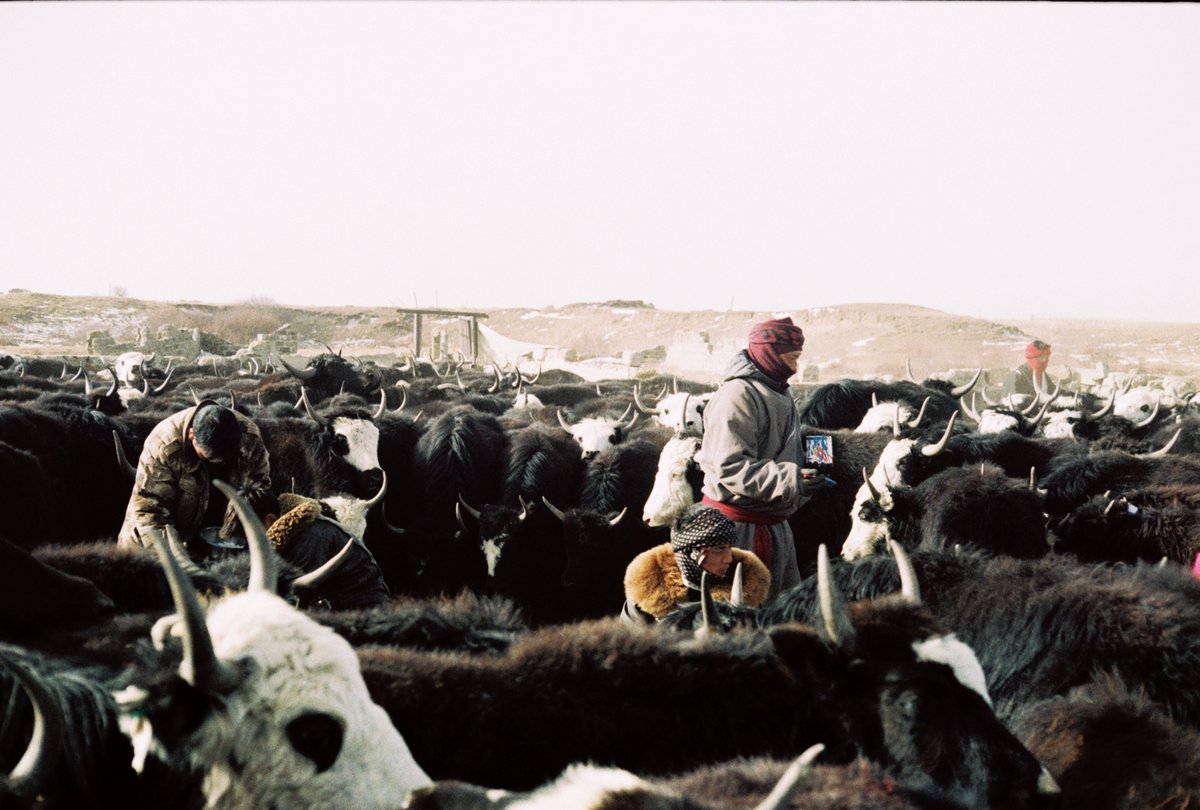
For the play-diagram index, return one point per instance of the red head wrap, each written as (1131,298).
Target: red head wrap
(769,340)
(1037,348)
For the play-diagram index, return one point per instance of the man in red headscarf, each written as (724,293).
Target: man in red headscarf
(1032,377)
(751,448)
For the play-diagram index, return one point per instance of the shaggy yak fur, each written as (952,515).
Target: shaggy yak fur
(1075,479)
(36,598)
(1147,524)
(844,403)
(975,506)
(629,697)
(1107,747)
(735,785)
(1042,627)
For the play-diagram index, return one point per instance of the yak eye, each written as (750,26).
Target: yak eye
(340,445)
(318,736)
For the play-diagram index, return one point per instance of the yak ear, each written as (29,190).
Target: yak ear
(801,649)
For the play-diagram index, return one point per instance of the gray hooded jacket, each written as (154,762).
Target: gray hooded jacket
(751,445)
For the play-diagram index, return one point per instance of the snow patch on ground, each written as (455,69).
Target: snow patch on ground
(558,316)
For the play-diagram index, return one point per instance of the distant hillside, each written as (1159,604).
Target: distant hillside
(852,340)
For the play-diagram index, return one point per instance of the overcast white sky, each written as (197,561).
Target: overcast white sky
(1000,160)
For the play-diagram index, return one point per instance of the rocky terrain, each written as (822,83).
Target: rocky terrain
(852,340)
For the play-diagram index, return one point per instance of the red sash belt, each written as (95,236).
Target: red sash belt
(762,535)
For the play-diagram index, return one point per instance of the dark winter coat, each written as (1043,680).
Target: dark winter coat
(306,538)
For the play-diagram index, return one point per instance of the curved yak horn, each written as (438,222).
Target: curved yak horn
(737,589)
(920,414)
(382,409)
(1153,414)
(1049,394)
(315,577)
(908,370)
(305,374)
(473,512)
(934,449)
(264,568)
(614,521)
(379,495)
(870,487)
(565,425)
(1037,420)
(708,608)
(30,774)
(969,410)
(181,555)
(792,780)
(1107,407)
(200,666)
(637,400)
(554,510)
(909,588)
(1162,451)
(834,619)
(965,387)
(122,459)
(313,415)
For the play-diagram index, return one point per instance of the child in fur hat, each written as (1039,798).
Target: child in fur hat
(665,577)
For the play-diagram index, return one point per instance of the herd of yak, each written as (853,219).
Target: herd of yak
(999,608)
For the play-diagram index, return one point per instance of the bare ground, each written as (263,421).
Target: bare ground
(853,340)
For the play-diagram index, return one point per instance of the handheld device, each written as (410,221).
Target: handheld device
(818,451)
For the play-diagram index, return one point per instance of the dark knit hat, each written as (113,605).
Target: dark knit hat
(784,335)
(699,527)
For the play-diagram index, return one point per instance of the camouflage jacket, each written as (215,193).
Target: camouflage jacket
(172,483)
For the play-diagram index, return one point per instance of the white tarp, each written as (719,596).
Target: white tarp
(494,346)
